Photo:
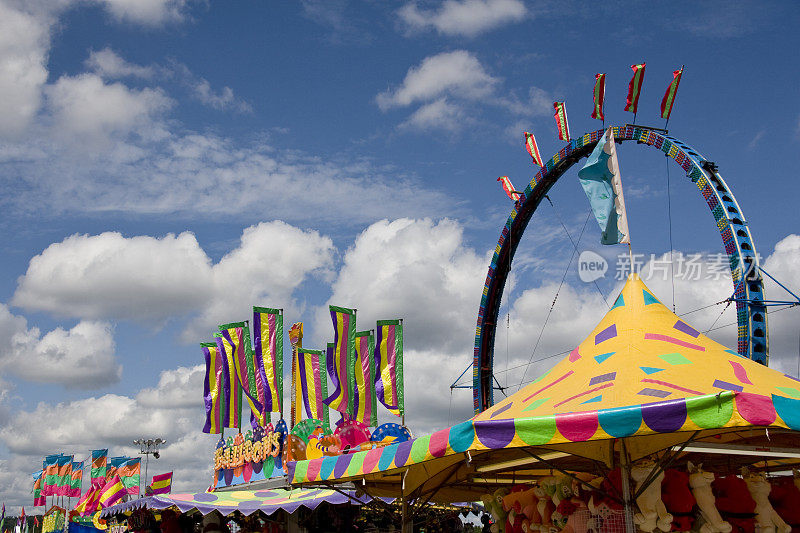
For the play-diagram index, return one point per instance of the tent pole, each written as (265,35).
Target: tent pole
(626,488)
(405,525)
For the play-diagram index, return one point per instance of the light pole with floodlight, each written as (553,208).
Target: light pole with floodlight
(148,447)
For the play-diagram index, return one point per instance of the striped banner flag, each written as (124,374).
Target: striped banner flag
(64,463)
(129,473)
(161,484)
(635,88)
(296,340)
(76,477)
(344,327)
(38,498)
(50,481)
(90,500)
(214,396)
(389,365)
(669,97)
(99,463)
(561,120)
(268,345)
(112,492)
(232,418)
(509,188)
(311,385)
(364,403)
(236,340)
(533,148)
(599,96)
(113,464)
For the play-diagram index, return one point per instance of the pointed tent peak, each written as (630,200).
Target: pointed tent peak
(640,353)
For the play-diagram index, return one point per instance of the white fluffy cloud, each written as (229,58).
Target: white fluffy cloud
(80,357)
(146,12)
(110,65)
(463,17)
(439,114)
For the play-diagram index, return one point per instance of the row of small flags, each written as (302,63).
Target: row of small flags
(363,370)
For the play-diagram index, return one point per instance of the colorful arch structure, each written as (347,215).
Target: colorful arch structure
(748,293)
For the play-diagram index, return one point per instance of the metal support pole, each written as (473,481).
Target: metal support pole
(626,489)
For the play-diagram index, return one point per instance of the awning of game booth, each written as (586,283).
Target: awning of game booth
(245,501)
(643,375)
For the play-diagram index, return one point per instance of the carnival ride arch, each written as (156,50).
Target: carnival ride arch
(748,284)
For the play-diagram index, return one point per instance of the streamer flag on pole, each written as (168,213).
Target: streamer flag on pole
(509,188)
(99,464)
(635,88)
(312,385)
(344,327)
(39,499)
(112,492)
(232,418)
(113,464)
(129,472)
(669,97)
(75,480)
(389,365)
(599,96)
(236,340)
(296,340)
(363,368)
(533,148)
(90,500)
(268,345)
(50,483)
(561,120)
(213,388)
(161,484)
(64,463)
(602,183)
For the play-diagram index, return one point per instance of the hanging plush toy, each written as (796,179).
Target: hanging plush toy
(734,503)
(513,506)
(767,520)
(545,508)
(700,483)
(652,512)
(678,499)
(785,498)
(523,501)
(494,505)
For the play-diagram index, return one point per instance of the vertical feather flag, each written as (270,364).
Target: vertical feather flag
(268,345)
(99,463)
(112,492)
(344,327)
(214,395)
(561,120)
(161,484)
(50,483)
(296,340)
(236,340)
(635,88)
(533,148)
(312,385)
(389,365)
(231,387)
(113,464)
(601,181)
(38,498)
(75,480)
(599,96)
(669,97)
(129,472)
(64,463)
(509,188)
(364,403)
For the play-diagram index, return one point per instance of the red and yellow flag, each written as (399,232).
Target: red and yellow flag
(599,96)
(561,120)
(669,97)
(509,188)
(634,88)
(533,149)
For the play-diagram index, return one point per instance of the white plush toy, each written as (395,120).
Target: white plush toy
(767,520)
(700,483)
(652,512)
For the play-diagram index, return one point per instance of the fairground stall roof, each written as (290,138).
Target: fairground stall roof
(643,378)
(245,501)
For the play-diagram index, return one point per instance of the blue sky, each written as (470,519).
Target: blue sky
(169,163)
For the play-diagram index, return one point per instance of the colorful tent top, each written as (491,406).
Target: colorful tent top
(245,501)
(642,371)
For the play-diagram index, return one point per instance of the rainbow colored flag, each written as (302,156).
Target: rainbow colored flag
(99,463)
(214,395)
(311,385)
(38,498)
(236,340)
(268,346)
(635,88)
(669,97)
(64,464)
(599,96)
(365,408)
(508,187)
(389,365)
(112,492)
(76,477)
(113,464)
(161,484)
(561,120)
(50,481)
(533,148)
(232,417)
(129,473)
(340,361)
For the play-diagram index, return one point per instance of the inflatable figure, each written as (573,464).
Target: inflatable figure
(767,520)
(652,512)
(785,498)
(678,499)
(700,482)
